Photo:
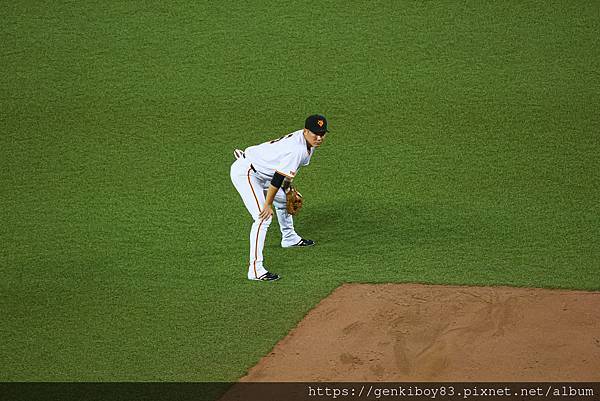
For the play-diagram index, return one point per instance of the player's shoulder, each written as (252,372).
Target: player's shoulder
(299,141)
(291,143)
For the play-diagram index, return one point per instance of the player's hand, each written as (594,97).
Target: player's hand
(266,212)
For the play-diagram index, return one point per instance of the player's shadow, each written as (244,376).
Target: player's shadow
(360,224)
(345,222)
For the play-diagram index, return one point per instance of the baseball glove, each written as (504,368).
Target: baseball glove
(293,200)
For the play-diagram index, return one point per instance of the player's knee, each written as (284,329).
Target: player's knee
(279,198)
(262,223)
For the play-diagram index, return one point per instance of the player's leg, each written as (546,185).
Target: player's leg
(289,237)
(250,189)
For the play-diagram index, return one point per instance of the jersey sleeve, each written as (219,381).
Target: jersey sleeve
(289,163)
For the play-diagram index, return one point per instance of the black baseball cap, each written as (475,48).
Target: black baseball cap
(316,123)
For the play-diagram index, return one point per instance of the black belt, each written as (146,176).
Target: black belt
(251,166)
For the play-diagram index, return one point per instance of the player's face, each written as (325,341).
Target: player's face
(314,139)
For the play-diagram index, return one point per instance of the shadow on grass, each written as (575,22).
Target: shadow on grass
(357,224)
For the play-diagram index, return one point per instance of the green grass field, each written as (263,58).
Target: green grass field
(463,150)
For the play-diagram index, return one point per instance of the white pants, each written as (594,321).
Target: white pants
(252,188)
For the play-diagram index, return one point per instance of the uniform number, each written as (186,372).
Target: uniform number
(279,139)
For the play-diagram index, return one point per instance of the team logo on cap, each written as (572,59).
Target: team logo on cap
(320,123)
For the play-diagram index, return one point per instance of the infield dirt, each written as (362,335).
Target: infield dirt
(404,333)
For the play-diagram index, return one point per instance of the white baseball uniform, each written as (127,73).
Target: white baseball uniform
(251,175)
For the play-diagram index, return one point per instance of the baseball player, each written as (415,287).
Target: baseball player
(261,173)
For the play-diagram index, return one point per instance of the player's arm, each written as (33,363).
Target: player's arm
(276,183)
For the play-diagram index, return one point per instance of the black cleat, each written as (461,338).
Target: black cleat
(268,276)
(303,242)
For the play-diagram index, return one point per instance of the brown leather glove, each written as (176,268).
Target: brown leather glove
(293,200)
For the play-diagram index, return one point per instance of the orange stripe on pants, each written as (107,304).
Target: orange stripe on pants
(258,230)
(256,248)
(253,193)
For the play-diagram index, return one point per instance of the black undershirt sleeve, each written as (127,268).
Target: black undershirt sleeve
(277,180)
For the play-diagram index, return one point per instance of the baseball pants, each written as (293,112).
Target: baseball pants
(252,187)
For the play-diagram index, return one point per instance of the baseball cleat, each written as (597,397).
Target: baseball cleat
(303,242)
(268,276)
